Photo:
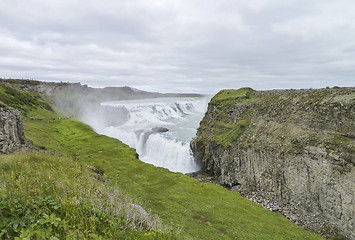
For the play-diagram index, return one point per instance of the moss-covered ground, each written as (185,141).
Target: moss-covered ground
(198,210)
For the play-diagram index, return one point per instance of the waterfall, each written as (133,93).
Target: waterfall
(160,129)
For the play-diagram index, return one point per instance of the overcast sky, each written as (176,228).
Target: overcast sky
(180,45)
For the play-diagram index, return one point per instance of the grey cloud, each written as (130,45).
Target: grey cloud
(197,46)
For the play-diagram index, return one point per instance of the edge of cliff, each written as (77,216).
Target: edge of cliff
(291,151)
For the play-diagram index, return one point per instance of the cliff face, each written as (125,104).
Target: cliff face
(292,151)
(12,137)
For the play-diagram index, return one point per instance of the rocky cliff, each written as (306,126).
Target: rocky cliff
(12,137)
(291,151)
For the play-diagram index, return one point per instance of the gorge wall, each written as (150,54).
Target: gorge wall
(291,151)
(12,137)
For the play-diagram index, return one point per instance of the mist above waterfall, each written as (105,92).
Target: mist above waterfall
(160,129)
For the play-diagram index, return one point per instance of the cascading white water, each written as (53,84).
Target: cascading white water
(160,129)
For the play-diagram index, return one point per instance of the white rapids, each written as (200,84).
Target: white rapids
(160,129)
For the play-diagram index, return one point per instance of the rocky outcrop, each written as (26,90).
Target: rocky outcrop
(291,151)
(12,137)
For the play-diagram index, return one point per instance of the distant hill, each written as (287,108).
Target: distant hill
(74,97)
(100,94)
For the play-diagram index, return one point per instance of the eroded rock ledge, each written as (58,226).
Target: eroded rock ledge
(12,137)
(291,151)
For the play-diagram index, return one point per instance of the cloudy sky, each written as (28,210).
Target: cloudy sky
(180,45)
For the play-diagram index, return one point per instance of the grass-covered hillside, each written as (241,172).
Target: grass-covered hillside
(47,197)
(26,102)
(60,192)
(43,196)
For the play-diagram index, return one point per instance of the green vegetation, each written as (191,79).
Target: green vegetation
(229,96)
(40,191)
(276,119)
(45,197)
(233,131)
(203,211)
(224,129)
(21,100)
(226,133)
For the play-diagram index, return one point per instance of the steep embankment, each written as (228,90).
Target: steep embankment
(48,197)
(292,151)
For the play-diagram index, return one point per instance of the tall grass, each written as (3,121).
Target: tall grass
(21,100)
(46,197)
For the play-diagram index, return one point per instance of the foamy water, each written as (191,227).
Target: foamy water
(159,129)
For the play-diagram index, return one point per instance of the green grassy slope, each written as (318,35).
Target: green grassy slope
(200,210)
(46,197)
(22,100)
(204,211)
(51,197)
